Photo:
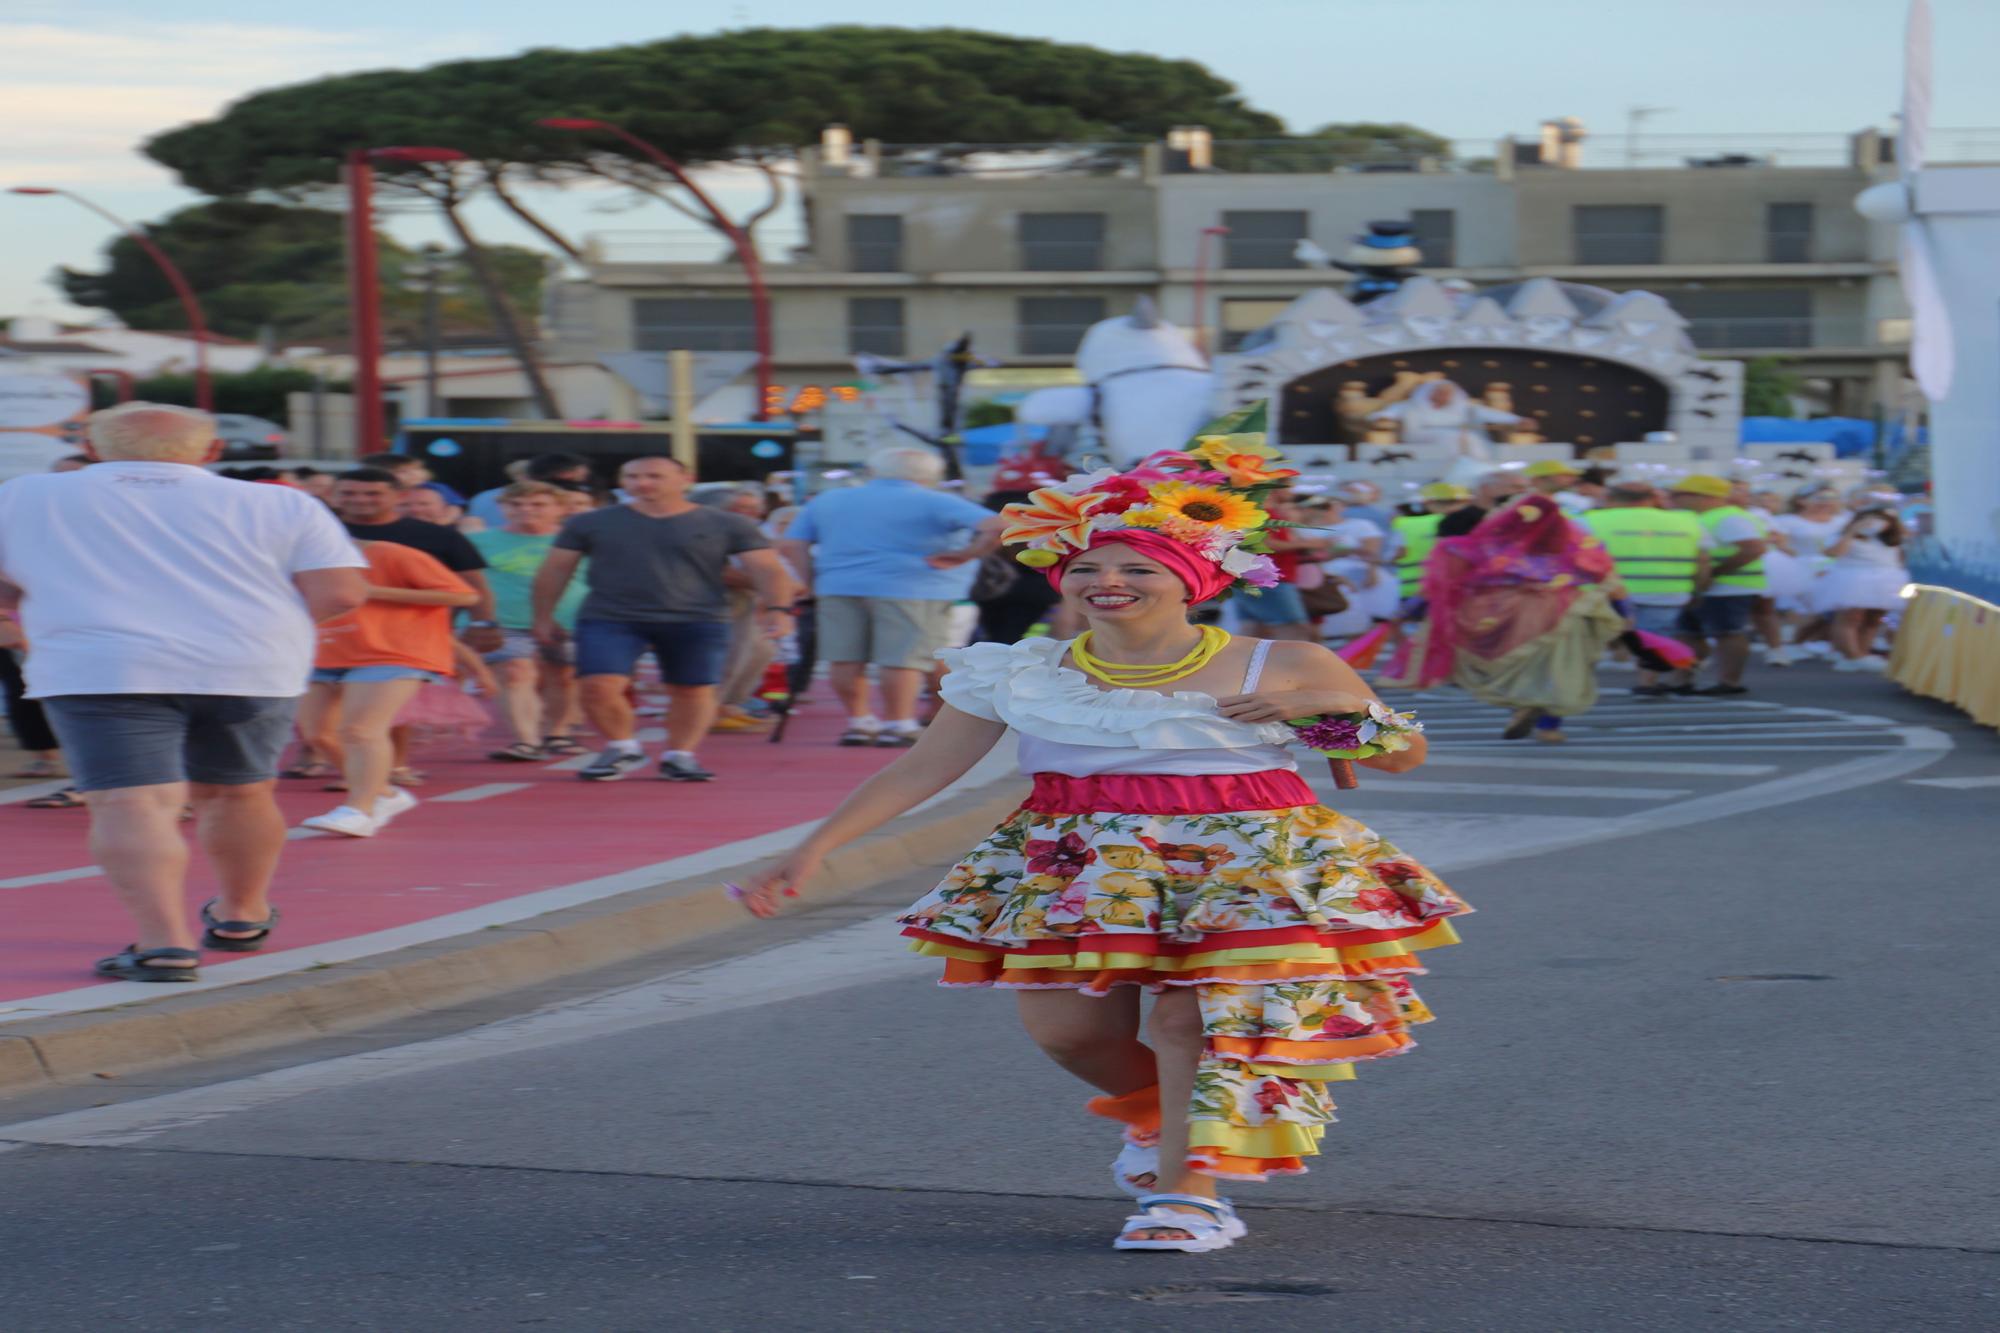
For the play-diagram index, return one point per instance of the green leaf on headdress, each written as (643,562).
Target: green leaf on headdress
(1243,421)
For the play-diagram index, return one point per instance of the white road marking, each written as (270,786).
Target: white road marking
(1957,784)
(1561,763)
(1667,745)
(857,954)
(1393,786)
(481,793)
(50,877)
(255,967)
(29,791)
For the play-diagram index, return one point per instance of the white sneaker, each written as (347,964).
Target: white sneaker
(346,821)
(1778,657)
(1847,664)
(1873,662)
(391,803)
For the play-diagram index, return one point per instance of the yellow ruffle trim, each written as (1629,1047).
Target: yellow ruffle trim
(1279,1139)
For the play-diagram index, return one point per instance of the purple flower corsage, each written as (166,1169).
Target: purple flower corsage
(1363,735)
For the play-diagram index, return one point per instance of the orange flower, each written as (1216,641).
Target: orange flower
(1249,470)
(1051,518)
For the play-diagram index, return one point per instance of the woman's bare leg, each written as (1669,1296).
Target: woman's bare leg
(1094,1037)
(368,708)
(1175,1030)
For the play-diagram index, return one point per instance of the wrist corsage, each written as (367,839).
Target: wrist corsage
(1345,737)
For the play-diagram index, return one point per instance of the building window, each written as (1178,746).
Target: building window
(1054,325)
(1064,242)
(1731,320)
(1788,233)
(875,325)
(1618,233)
(1262,240)
(1245,315)
(874,243)
(694,324)
(1435,231)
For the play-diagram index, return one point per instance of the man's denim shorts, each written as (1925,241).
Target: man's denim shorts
(1719,617)
(138,740)
(1281,605)
(689,652)
(369,675)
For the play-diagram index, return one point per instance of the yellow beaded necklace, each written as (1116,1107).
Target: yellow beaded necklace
(1144,675)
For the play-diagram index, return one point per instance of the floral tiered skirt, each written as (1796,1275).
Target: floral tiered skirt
(1297,926)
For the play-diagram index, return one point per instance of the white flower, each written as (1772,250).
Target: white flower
(1238,561)
(1366,732)
(1088,481)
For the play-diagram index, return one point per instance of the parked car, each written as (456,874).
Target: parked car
(249,437)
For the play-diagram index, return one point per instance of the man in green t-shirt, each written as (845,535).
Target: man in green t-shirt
(537,684)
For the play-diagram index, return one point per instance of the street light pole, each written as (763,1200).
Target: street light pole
(364,301)
(1201,287)
(190,306)
(746,249)
(433,271)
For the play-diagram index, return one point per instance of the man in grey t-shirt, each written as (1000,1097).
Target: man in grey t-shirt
(655,580)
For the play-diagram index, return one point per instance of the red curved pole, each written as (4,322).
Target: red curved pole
(190,305)
(746,249)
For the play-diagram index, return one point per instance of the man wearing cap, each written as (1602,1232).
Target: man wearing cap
(1729,584)
(1658,555)
(1413,535)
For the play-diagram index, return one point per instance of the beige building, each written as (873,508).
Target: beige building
(1026,247)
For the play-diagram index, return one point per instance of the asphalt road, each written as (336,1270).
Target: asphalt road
(1716,1055)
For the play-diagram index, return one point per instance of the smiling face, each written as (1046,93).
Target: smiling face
(1115,583)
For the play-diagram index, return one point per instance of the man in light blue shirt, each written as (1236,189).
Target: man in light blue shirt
(885,562)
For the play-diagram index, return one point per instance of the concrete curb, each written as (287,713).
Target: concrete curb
(41,1053)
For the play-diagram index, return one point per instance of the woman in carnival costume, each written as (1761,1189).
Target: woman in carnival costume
(1520,610)
(1170,844)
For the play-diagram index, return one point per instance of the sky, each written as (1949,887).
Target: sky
(83,82)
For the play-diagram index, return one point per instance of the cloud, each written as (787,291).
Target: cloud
(78,101)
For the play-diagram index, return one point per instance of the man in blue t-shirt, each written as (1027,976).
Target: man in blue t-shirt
(885,561)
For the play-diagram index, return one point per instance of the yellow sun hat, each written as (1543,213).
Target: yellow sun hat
(1551,467)
(1444,490)
(1716,488)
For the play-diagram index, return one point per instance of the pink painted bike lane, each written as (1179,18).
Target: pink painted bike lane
(485,832)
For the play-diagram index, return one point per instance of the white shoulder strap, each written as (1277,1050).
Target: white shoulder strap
(1256,669)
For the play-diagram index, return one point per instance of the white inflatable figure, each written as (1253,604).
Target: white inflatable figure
(1441,413)
(1146,387)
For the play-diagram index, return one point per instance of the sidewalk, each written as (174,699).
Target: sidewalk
(491,844)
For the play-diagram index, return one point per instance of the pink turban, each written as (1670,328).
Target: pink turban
(1204,578)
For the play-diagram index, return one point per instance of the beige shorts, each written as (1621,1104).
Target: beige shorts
(883,631)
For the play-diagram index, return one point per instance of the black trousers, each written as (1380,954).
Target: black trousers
(24,715)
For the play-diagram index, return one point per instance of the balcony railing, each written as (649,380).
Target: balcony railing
(1615,247)
(1782,331)
(1062,256)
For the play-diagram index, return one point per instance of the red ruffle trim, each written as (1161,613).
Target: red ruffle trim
(1167,793)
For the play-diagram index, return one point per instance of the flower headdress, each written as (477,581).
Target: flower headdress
(1207,497)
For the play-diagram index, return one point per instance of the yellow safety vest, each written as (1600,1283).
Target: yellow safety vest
(1656,551)
(1751,576)
(1415,536)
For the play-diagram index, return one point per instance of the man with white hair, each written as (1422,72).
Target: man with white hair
(886,561)
(171,613)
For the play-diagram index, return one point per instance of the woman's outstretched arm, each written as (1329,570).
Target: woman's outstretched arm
(946,752)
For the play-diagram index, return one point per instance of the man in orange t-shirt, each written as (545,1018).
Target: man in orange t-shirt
(370,663)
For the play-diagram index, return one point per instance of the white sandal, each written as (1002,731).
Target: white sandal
(1136,1159)
(1214,1227)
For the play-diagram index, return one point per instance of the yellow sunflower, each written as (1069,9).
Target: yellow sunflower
(1207,506)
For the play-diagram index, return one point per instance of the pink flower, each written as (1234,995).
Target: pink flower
(1340,1025)
(1271,1094)
(1396,872)
(1263,573)
(1385,901)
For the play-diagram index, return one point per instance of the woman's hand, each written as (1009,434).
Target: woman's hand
(761,896)
(1284,705)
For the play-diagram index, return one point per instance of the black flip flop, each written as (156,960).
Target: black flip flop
(245,944)
(135,964)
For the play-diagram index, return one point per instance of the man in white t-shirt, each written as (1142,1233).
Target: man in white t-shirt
(169,616)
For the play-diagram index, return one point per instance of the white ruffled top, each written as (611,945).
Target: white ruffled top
(1068,725)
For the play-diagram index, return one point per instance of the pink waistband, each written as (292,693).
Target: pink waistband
(1167,793)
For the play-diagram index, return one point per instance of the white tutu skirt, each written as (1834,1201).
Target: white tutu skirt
(1786,577)
(1856,587)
